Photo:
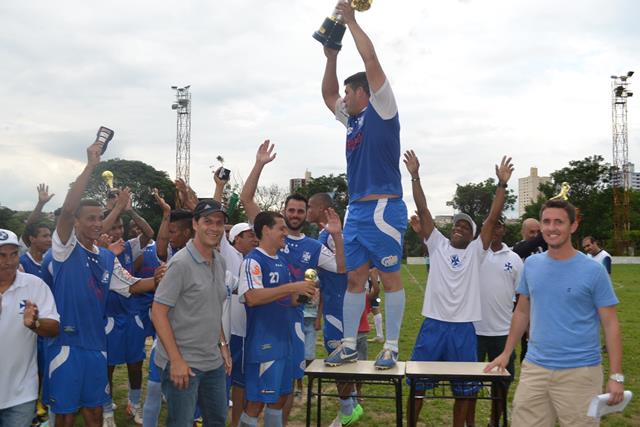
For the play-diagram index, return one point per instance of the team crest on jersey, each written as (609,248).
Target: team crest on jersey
(22,306)
(389,261)
(105,278)
(127,259)
(455,261)
(508,267)
(306,257)
(285,249)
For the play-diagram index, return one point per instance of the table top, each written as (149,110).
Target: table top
(360,369)
(452,370)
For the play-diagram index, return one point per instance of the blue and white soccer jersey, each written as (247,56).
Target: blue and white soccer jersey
(374,229)
(142,302)
(268,342)
(30,265)
(76,358)
(332,288)
(301,253)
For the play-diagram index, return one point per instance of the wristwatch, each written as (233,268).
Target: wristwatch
(502,184)
(619,378)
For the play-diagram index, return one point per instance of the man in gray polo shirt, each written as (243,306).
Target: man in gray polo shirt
(187,314)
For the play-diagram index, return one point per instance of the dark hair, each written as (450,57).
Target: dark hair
(57,212)
(265,219)
(86,202)
(324,198)
(358,80)
(296,196)
(560,204)
(33,229)
(590,237)
(181,217)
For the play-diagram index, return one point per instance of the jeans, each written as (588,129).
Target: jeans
(18,416)
(206,388)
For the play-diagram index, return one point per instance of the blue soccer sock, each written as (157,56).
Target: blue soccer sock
(272,417)
(247,421)
(107,408)
(346,406)
(134,396)
(394,310)
(352,309)
(152,403)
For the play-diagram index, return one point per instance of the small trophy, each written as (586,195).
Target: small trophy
(224,173)
(310,275)
(107,177)
(564,192)
(332,29)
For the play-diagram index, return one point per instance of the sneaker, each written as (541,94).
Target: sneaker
(350,420)
(135,411)
(340,356)
(377,339)
(108,420)
(198,422)
(386,359)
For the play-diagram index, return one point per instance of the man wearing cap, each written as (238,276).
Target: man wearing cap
(192,350)
(27,310)
(452,299)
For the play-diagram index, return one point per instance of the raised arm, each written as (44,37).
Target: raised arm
(247,196)
(147,231)
(426,221)
(72,201)
(330,85)
(163,232)
(43,198)
(375,75)
(124,197)
(334,227)
(220,184)
(503,172)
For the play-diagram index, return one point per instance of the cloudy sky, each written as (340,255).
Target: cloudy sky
(473,80)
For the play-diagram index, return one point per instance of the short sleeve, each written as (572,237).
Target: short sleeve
(61,251)
(603,294)
(250,277)
(136,250)
(340,111)
(384,102)
(170,287)
(517,269)
(434,241)
(327,260)
(121,280)
(43,298)
(523,286)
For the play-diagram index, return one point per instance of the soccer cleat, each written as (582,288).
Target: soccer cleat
(135,411)
(386,359)
(340,356)
(377,339)
(349,420)
(108,420)
(198,422)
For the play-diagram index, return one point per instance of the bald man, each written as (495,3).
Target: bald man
(532,241)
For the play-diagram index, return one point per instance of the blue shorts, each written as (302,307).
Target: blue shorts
(145,317)
(42,345)
(440,341)
(297,351)
(125,340)
(155,373)
(332,331)
(77,378)
(310,338)
(266,382)
(374,234)
(236,346)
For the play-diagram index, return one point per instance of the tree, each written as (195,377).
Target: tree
(334,185)
(141,178)
(475,199)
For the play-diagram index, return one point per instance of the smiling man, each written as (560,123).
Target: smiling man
(565,296)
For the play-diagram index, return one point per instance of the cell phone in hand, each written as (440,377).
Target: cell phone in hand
(224,174)
(104,135)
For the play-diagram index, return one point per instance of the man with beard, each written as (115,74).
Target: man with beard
(300,252)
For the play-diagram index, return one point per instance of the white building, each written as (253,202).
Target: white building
(528,189)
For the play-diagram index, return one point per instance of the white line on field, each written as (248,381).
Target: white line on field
(413,278)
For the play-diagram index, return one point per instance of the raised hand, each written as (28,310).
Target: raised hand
(43,193)
(504,171)
(159,273)
(103,241)
(93,153)
(217,179)
(30,315)
(347,12)
(160,201)
(265,153)
(415,224)
(124,198)
(412,163)
(330,53)
(116,247)
(333,225)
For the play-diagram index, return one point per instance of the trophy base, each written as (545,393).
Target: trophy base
(330,34)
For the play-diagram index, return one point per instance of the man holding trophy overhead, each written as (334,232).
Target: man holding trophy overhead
(377,217)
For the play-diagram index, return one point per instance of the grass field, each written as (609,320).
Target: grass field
(626,279)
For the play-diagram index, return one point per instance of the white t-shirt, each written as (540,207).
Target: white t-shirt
(453,288)
(19,372)
(383,101)
(499,277)
(233,312)
(600,256)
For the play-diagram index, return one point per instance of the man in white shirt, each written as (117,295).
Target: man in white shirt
(27,310)
(452,299)
(591,248)
(499,276)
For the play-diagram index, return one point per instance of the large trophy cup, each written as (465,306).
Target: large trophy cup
(333,28)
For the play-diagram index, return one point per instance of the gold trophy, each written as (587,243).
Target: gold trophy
(333,28)
(564,192)
(107,177)
(310,275)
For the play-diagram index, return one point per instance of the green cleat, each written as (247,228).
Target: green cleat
(356,414)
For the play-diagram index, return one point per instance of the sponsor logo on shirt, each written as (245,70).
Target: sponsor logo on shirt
(390,260)
(266,346)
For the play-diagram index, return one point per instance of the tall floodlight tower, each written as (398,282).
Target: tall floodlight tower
(182,105)
(621,173)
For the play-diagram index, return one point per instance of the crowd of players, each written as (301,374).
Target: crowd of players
(227,304)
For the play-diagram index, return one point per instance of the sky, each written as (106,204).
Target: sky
(473,80)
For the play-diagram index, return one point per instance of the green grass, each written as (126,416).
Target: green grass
(626,279)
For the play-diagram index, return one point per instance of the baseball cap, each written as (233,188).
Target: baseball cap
(464,217)
(237,229)
(206,207)
(8,237)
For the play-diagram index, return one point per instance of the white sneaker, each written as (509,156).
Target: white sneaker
(108,420)
(135,411)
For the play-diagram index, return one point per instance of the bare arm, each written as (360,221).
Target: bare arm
(367,52)
(330,85)
(43,198)
(426,221)
(611,326)
(261,296)
(72,201)
(250,186)
(334,227)
(42,327)
(519,324)
(220,184)
(147,231)
(503,172)
(162,242)
(124,197)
